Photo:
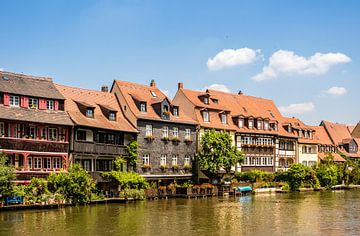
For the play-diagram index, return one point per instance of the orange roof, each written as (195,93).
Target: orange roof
(337,132)
(144,93)
(321,136)
(336,157)
(94,99)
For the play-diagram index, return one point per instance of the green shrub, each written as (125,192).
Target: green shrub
(254,176)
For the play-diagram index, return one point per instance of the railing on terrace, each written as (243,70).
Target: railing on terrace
(33,145)
(99,148)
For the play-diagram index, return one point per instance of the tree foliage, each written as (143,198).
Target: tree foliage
(329,173)
(218,152)
(76,186)
(300,175)
(253,176)
(6,175)
(132,149)
(128,180)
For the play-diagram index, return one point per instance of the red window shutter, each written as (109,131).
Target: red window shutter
(56,105)
(24,101)
(42,104)
(6,99)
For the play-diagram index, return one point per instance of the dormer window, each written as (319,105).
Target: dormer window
(215,101)
(289,129)
(206,100)
(310,135)
(259,124)
(33,103)
(241,122)
(206,116)
(143,106)
(50,104)
(112,116)
(306,134)
(223,118)
(251,123)
(266,125)
(300,133)
(175,111)
(14,101)
(153,94)
(90,112)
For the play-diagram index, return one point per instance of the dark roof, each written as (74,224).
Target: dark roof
(34,115)
(28,85)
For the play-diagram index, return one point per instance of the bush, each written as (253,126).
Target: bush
(133,193)
(254,176)
(128,180)
(6,175)
(329,174)
(300,175)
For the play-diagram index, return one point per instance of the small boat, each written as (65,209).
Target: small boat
(243,190)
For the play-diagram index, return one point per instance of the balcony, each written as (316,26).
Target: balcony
(33,145)
(99,148)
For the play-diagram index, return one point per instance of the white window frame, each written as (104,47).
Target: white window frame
(112,116)
(259,124)
(14,101)
(206,100)
(146,159)
(174,160)
(50,105)
(56,163)
(52,133)
(188,134)
(187,160)
(251,123)
(266,125)
(241,122)
(176,111)
(165,132)
(163,159)
(224,118)
(149,130)
(175,132)
(87,165)
(33,101)
(143,107)
(206,116)
(37,161)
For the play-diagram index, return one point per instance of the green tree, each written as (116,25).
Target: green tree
(328,173)
(6,175)
(76,186)
(218,152)
(299,175)
(128,180)
(132,149)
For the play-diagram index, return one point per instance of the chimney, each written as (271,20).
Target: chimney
(240,93)
(104,88)
(180,85)
(152,83)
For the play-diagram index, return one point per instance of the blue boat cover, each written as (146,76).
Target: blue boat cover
(244,189)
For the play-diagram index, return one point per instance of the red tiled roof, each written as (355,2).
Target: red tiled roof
(93,98)
(336,156)
(321,136)
(143,93)
(337,132)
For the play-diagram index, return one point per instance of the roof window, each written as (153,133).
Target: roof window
(153,94)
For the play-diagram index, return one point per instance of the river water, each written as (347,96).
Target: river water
(316,213)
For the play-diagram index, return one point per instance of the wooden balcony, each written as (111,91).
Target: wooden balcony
(99,148)
(33,145)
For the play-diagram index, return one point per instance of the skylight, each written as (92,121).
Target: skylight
(153,94)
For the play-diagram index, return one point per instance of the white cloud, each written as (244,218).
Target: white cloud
(288,63)
(232,57)
(218,87)
(336,91)
(297,108)
(1,69)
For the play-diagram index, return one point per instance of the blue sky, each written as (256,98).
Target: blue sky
(313,47)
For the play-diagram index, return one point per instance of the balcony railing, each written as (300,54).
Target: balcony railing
(33,145)
(99,148)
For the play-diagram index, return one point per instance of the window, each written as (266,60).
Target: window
(30,132)
(44,133)
(163,160)
(300,133)
(175,133)
(241,122)
(165,132)
(33,103)
(174,160)
(259,124)
(90,112)
(176,111)
(37,163)
(304,163)
(206,116)
(266,125)
(149,130)
(289,128)
(215,101)
(143,107)
(153,94)
(14,101)
(50,105)
(251,123)
(56,163)
(224,118)
(47,162)
(187,134)
(305,134)
(52,134)
(87,165)
(310,135)
(111,139)
(187,160)
(206,100)
(2,129)
(81,135)
(112,116)
(146,159)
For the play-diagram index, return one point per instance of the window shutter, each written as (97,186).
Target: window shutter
(42,104)
(56,106)
(24,101)
(6,99)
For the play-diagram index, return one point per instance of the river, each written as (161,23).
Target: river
(315,213)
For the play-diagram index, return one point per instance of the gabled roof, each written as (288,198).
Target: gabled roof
(92,98)
(336,156)
(143,93)
(337,132)
(28,85)
(321,136)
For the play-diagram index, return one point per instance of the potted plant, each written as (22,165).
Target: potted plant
(146,168)
(163,168)
(165,139)
(175,139)
(188,140)
(175,167)
(187,167)
(149,138)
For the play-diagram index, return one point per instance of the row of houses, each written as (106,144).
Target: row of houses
(46,126)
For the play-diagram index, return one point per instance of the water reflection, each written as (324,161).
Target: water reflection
(320,213)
